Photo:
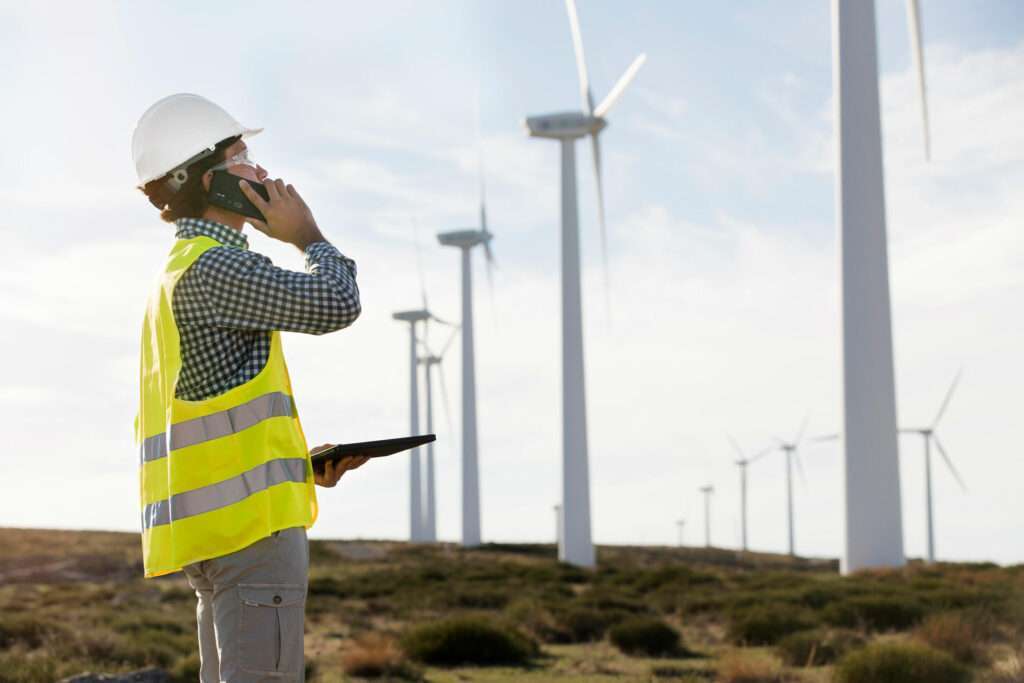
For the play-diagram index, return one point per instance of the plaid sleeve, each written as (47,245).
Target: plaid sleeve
(246,291)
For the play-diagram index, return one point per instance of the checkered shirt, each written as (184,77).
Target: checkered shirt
(229,301)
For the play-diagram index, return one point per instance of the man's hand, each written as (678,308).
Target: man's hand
(288,217)
(334,469)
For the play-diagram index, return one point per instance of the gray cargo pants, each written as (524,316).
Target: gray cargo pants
(252,609)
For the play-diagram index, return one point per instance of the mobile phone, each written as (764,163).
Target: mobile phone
(225,193)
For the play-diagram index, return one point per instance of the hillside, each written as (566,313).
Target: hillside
(75,601)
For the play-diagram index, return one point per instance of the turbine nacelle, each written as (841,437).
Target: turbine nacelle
(412,316)
(464,238)
(571,125)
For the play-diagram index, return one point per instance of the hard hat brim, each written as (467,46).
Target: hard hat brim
(245,133)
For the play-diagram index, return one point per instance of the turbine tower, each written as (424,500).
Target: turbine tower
(929,435)
(465,240)
(576,545)
(680,524)
(707,491)
(416,525)
(429,362)
(558,524)
(790,449)
(874,531)
(742,463)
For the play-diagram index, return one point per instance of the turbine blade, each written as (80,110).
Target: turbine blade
(735,446)
(800,434)
(581,64)
(949,395)
(438,320)
(451,338)
(419,262)
(949,463)
(447,405)
(423,343)
(489,265)
(596,146)
(916,48)
(620,86)
(757,456)
(826,437)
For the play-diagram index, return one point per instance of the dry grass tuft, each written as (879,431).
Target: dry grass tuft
(748,667)
(954,634)
(373,656)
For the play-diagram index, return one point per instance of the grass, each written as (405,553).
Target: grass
(84,591)
(900,663)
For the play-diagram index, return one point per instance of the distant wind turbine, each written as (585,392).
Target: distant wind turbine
(742,463)
(707,491)
(577,545)
(681,524)
(929,436)
(790,449)
(416,526)
(429,362)
(417,514)
(465,240)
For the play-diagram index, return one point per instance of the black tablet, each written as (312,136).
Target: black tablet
(371,449)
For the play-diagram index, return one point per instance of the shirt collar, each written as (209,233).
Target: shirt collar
(194,227)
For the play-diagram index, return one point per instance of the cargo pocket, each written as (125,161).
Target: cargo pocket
(271,629)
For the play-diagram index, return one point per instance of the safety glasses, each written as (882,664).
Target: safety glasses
(240,159)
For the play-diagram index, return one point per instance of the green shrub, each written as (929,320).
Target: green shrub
(767,624)
(875,613)
(467,640)
(900,663)
(585,625)
(611,599)
(645,636)
(816,648)
(537,618)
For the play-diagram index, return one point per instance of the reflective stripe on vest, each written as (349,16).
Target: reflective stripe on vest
(217,424)
(219,474)
(224,493)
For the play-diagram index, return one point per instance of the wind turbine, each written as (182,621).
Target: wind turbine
(465,240)
(417,521)
(416,526)
(429,362)
(743,462)
(874,531)
(707,491)
(929,435)
(790,449)
(577,546)
(681,524)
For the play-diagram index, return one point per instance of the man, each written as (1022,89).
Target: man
(226,481)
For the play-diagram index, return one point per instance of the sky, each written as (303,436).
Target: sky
(723,312)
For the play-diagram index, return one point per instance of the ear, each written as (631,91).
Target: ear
(207,179)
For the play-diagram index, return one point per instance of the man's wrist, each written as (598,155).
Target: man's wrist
(312,237)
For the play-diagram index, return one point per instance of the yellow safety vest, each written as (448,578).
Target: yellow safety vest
(219,474)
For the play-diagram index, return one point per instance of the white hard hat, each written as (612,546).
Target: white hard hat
(178,130)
